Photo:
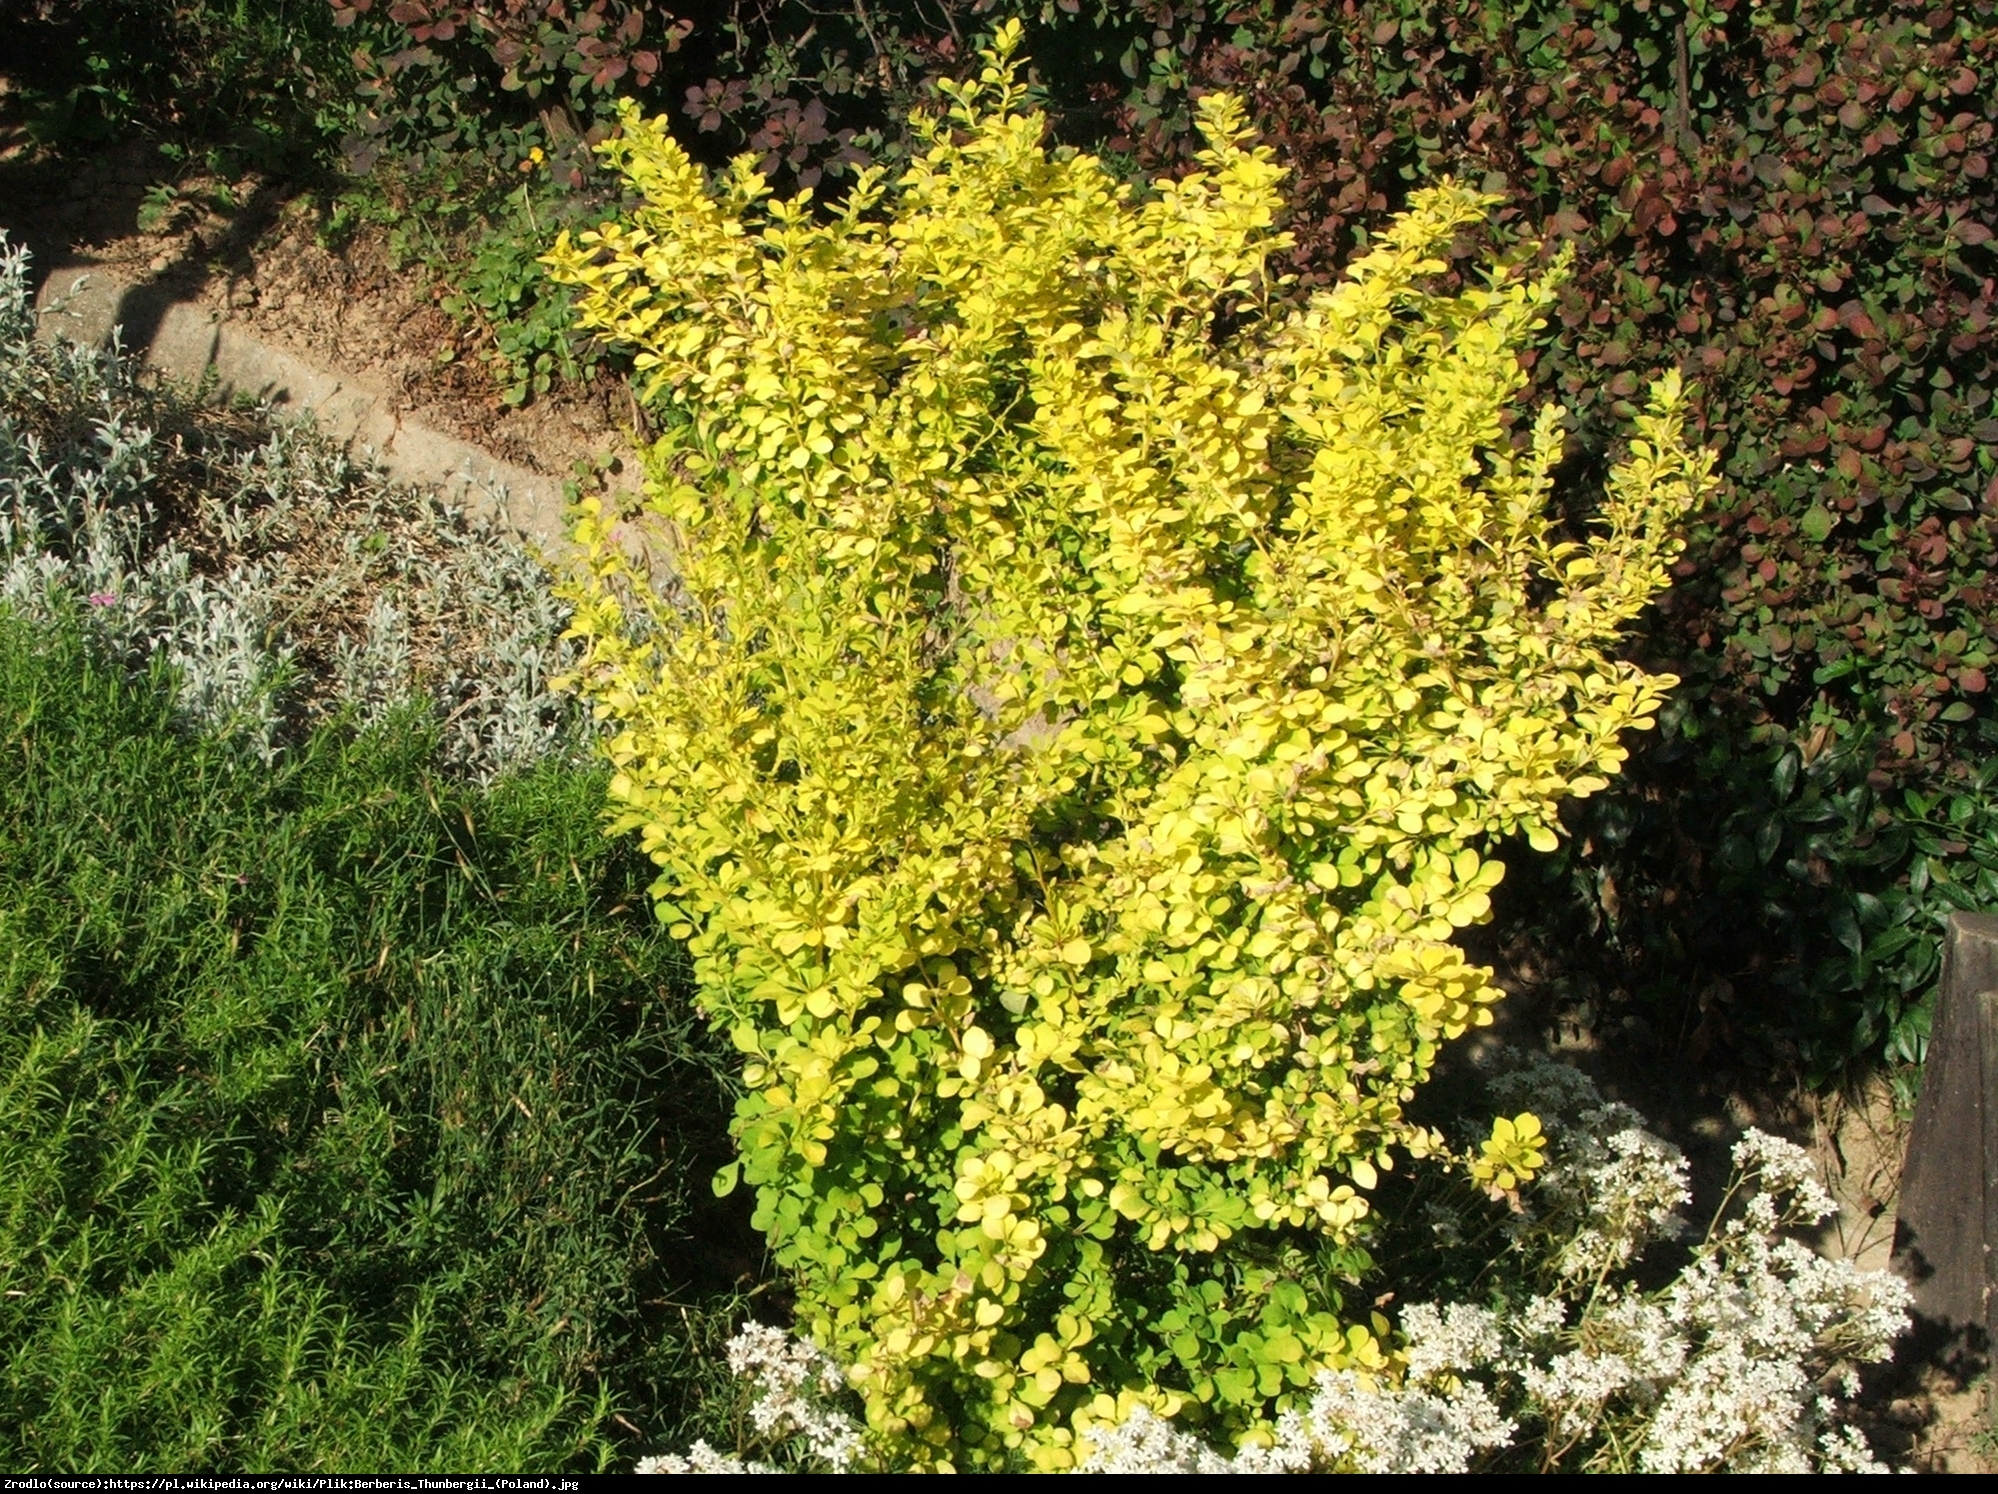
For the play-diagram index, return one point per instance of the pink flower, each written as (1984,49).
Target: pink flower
(103,598)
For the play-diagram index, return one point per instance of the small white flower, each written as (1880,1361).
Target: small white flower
(1147,1443)
(1403,1431)
(1573,1387)
(1844,1450)
(700,1459)
(1555,1092)
(1459,1337)
(1618,1188)
(1783,1167)
(789,1375)
(1540,1317)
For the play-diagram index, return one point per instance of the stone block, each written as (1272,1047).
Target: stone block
(1947,1218)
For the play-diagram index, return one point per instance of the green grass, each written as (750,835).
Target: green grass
(351,1119)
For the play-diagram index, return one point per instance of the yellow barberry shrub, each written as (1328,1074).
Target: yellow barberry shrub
(1068,729)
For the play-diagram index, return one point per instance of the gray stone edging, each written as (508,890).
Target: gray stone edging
(184,341)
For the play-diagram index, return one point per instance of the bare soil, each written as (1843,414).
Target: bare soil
(263,265)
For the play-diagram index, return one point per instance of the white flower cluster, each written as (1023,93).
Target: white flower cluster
(1777,1169)
(1442,1338)
(1553,1091)
(1393,1429)
(1742,1363)
(1617,1189)
(791,1380)
(1350,1426)
(1611,1190)
(1767,1321)
(1147,1443)
(1723,1369)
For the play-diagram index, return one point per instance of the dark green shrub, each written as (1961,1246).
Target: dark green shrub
(274,77)
(816,91)
(477,118)
(1793,202)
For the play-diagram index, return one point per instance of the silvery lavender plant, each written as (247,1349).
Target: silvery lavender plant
(283,581)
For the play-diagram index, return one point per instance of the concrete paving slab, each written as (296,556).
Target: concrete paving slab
(185,341)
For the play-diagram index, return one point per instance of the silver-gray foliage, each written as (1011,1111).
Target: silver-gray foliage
(292,582)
